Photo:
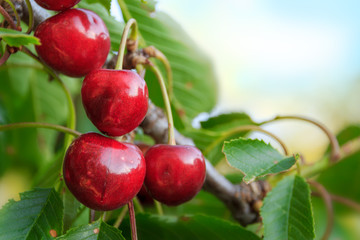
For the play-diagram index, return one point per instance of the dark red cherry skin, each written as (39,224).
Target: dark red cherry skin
(102,173)
(73,42)
(57,5)
(116,101)
(174,174)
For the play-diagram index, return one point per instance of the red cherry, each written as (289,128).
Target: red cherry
(57,5)
(73,42)
(174,174)
(102,173)
(116,101)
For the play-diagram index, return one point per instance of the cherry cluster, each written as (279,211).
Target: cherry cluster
(101,172)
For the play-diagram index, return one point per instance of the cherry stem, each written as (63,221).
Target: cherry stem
(127,15)
(335,148)
(31,16)
(18,20)
(130,24)
(171,131)
(72,115)
(8,18)
(92,215)
(138,205)
(39,125)
(132,220)
(156,53)
(329,207)
(243,129)
(166,63)
(4,57)
(120,217)
(158,207)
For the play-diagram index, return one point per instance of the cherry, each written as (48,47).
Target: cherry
(116,101)
(73,42)
(174,174)
(102,173)
(57,5)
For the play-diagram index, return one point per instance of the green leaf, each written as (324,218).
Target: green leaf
(194,79)
(105,3)
(38,212)
(227,121)
(16,39)
(71,206)
(287,212)
(204,202)
(255,158)
(186,227)
(343,178)
(95,231)
(115,27)
(28,96)
(210,142)
(349,133)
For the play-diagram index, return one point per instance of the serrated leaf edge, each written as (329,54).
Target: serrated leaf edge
(252,178)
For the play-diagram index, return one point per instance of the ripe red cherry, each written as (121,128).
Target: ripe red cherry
(73,42)
(174,174)
(57,5)
(102,173)
(116,101)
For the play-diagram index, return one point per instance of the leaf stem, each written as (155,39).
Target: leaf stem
(18,20)
(132,220)
(72,115)
(138,205)
(92,215)
(171,132)
(31,16)
(159,208)
(329,207)
(340,199)
(8,18)
(130,24)
(335,148)
(298,168)
(4,57)
(243,129)
(39,125)
(120,217)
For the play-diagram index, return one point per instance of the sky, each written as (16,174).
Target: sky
(281,57)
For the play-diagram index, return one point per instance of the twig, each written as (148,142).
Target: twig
(340,199)
(8,18)
(329,207)
(39,125)
(335,148)
(4,57)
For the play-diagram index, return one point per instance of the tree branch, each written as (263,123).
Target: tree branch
(243,200)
